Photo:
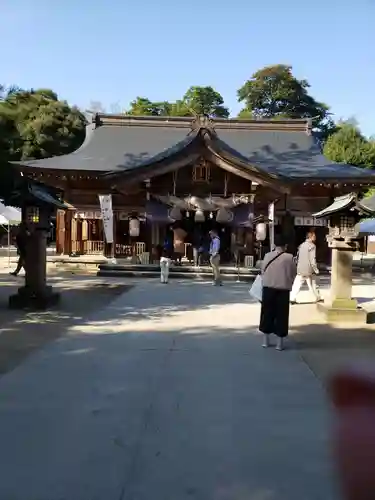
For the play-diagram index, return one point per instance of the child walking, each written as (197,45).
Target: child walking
(165,262)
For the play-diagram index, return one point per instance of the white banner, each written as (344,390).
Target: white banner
(271,218)
(107,216)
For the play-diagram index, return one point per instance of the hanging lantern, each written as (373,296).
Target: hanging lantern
(175,214)
(199,216)
(211,215)
(187,214)
(134,228)
(261,231)
(224,216)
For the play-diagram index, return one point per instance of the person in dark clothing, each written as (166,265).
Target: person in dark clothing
(278,272)
(197,247)
(168,243)
(21,243)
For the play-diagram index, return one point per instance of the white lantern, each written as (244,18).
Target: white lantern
(175,213)
(224,216)
(261,231)
(199,216)
(134,228)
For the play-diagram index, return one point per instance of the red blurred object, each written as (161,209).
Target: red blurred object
(353,395)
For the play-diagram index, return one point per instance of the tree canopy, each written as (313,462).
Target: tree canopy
(205,101)
(197,100)
(348,145)
(36,124)
(274,92)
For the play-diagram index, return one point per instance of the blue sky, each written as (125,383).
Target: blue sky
(112,51)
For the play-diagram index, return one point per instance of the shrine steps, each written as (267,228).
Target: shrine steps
(203,273)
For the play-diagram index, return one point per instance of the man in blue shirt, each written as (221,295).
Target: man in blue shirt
(215,257)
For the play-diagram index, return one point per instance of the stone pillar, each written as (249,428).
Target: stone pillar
(35,294)
(36,262)
(340,306)
(341,279)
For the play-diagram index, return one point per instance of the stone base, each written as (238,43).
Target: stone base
(334,314)
(26,298)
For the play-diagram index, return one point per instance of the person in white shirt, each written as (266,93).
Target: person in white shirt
(165,264)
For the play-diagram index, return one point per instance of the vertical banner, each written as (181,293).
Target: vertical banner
(271,219)
(107,216)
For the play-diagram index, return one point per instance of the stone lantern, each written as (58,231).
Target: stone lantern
(38,202)
(343,238)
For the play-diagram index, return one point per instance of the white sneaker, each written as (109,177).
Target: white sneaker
(280,344)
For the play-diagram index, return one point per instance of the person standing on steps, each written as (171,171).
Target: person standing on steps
(307,268)
(215,257)
(165,264)
(278,273)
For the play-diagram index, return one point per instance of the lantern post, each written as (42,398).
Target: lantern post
(35,293)
(343,238)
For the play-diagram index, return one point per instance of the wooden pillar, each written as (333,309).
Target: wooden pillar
(73,242)
(113,246)
(68,216)
(60,232)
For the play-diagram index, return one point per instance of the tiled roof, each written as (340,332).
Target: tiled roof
(285,148)
(346,201)
(111,148)
(293,154)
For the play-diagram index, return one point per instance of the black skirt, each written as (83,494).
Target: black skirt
(274,314)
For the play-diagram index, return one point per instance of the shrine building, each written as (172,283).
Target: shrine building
(221,173)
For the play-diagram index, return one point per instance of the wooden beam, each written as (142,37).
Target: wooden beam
(245,172)
(139,175)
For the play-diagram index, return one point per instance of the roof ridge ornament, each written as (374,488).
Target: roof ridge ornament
(202,121)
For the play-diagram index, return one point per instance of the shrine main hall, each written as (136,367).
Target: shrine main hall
(222,173)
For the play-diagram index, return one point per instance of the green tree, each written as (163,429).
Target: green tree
(142,106)
(348,145)
(37,124)
(179,108)
(246,114)
(205,101)
(197,100)
(273,92)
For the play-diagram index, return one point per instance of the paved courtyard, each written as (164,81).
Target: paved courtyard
(166,394)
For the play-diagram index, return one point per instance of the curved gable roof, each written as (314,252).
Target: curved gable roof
(279,148)
(292,154)
(119,146)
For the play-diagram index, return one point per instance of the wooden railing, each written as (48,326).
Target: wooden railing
(89,247)
(93,247)
(123,250)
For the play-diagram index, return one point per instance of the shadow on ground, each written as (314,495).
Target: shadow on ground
(22,332)
(323,347)
(198,387)
(326,348)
